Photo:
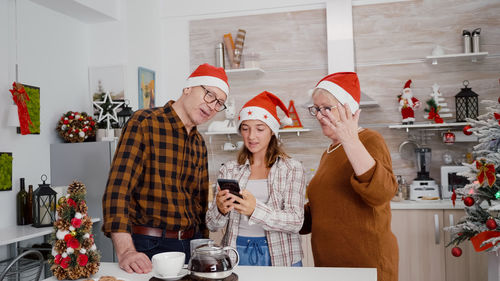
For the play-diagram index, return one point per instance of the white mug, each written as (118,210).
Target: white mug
(229,146)
(239,144)
(168,264)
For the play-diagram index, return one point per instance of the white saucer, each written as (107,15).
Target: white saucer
(181,274)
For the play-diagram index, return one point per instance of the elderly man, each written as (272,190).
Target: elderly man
(156,196)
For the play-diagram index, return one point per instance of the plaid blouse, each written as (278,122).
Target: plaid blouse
(159,175)
(281,216)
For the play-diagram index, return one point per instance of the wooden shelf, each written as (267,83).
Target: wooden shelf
(473,57)
(428,125)
(291,130)
(244,73)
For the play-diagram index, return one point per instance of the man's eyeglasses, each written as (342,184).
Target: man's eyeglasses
(211,98)
(323,109)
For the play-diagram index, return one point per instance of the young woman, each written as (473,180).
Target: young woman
(263,225)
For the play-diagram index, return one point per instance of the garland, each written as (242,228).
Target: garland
(76,127)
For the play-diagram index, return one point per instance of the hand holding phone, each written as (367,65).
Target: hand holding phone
(231,185)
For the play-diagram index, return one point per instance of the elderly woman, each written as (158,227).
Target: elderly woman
(264,224)
(349,212)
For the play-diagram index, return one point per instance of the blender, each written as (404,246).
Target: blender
(423,187)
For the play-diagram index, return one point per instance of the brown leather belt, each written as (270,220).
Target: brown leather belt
(157,232)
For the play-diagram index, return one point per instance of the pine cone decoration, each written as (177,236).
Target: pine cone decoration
(82,207)
(75,273)
(91,269)
(60,246)
(87,224)
(77,188)
(86,243)
(62,224)
(59,272)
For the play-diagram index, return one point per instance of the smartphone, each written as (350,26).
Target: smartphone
(231,185)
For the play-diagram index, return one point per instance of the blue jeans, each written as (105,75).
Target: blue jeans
(151,245)
(255,251)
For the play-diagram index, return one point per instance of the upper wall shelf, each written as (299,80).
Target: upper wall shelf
(428,125)
(244,72)
(473,57)
(290,130)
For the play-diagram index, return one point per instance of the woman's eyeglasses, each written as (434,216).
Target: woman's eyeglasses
(313,110)
(210,97)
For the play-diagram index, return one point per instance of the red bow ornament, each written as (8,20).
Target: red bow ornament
(497,116)
(433,115)
(20,97)
(486,172)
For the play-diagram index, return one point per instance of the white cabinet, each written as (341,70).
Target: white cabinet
(422,252)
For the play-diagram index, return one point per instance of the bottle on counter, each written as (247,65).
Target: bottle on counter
(29,205)
(21,203)
(398,197)
(405,189)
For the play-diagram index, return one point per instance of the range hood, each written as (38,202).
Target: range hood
(340,42)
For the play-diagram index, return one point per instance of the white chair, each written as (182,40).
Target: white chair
(23,268)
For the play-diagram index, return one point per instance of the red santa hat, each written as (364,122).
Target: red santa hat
(406,89)
(209,75)
(344,86)
(263,107)
(407,84)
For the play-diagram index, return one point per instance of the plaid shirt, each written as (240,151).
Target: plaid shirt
(282,215)
(159,175)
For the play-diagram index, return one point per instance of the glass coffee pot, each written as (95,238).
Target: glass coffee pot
(212,261)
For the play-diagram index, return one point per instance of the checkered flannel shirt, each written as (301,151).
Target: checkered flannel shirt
(159,175)
(281,216)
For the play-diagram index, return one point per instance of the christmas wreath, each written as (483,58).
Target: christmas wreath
(76,127)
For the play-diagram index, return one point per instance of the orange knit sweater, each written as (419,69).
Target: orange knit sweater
(350,216)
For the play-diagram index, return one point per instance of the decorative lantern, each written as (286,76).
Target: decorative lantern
(44,204)
(125,114)
(466,103)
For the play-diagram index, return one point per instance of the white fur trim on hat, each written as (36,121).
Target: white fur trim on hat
(258,113)
(340,94)
(208,81)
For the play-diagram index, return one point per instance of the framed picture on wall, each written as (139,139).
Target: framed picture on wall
(5,171)
(104,79)
(146,83)
(33,108)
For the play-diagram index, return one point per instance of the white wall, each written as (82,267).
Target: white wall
(132,41)
(52,54)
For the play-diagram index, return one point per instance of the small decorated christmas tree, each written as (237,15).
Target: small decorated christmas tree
(74,254)
(481,226)
(437,109)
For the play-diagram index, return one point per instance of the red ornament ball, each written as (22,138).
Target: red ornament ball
(468,201)
(466,130)
(456,252)
(498,99)
(491,224)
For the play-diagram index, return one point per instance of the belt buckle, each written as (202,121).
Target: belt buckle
(179,235)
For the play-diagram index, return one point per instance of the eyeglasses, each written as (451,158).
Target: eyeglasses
(211,98)
(323,109)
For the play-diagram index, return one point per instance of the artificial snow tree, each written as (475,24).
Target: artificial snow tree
(481,225)
(74,254)
(437,107)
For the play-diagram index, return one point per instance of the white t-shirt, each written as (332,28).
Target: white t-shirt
(259,189)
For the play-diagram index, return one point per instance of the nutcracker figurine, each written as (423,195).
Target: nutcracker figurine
(407,104)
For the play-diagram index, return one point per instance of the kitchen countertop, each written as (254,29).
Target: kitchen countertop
(251,273)
(430,204)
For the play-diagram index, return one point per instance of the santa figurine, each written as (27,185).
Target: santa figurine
(407,104)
